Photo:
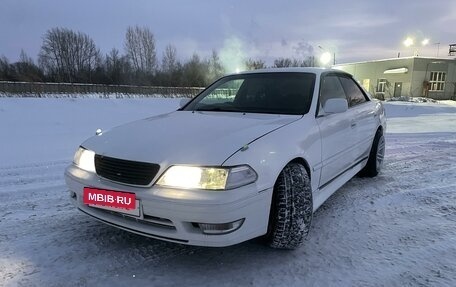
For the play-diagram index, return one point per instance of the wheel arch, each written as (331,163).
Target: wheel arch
(304,163)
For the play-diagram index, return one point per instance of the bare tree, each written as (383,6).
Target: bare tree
(171,70)
(283,62)
(215,67)
(113,60)
(24,58)
(169,61)
(5,73)
(308,61)
(140,49)
(254,64)
(117,67)
(25,69)
(287,62)
(195,72)
(68,55)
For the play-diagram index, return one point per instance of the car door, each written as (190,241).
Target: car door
(336,132)
(363,118)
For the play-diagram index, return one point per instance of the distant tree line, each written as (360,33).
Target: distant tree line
(69,56)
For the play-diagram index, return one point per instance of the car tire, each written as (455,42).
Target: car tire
(291,208)
(376,157)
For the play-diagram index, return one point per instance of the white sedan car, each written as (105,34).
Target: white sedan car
(253,155)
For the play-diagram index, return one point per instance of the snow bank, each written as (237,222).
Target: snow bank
(413,117)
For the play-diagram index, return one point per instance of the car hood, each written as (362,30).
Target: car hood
(185,137)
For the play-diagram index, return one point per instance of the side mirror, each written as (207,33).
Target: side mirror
(183,102)
(335,105)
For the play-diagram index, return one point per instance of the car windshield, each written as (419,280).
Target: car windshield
(270,93)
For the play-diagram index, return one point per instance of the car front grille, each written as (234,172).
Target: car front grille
(125,171)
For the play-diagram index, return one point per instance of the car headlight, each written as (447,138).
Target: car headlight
(85,159)
(211,178)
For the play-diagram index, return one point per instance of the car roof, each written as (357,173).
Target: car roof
(313,70)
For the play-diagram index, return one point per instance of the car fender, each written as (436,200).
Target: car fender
(269,154)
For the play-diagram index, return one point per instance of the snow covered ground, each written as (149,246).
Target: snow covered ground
(398,229)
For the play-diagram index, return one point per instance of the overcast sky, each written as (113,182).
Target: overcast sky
(260,29)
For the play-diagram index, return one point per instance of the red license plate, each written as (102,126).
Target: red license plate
(109,198)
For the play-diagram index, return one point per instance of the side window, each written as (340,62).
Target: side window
(354,94)
(331,88)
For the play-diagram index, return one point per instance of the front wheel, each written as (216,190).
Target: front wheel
(376,156)
(291,208)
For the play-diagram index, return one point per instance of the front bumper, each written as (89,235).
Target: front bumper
(173,215)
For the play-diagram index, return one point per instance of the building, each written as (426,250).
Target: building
(406,77)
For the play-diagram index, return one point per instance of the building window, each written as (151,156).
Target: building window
(437,81)
(381,86)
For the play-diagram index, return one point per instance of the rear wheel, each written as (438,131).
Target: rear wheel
(376,156)
(291,208)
